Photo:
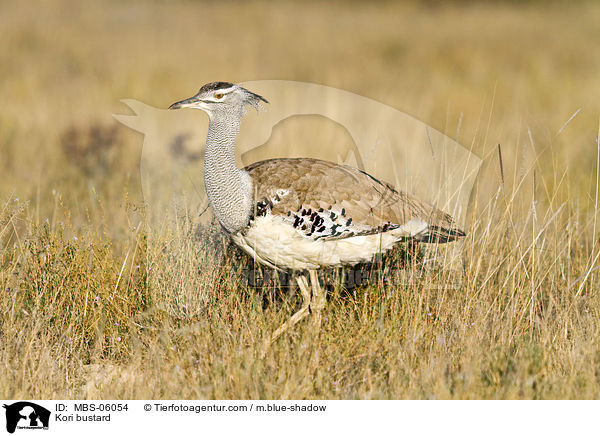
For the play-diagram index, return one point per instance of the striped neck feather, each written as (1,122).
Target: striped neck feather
(229,189)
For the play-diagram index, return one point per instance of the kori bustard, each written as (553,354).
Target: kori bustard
(303,214)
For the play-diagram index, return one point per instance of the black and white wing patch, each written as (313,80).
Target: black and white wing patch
(330,224)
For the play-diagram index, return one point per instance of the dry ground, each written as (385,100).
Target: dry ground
(92,307)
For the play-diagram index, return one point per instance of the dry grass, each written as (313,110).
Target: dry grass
(93,306)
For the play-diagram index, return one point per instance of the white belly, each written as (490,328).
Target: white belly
(274,242)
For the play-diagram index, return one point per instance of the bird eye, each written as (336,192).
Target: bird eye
(218,96)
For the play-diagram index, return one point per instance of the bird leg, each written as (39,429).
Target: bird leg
(319,298)
(317,302)
(295,318)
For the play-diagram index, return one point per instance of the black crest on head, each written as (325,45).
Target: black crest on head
(252,98)
(213,86)
(255,98)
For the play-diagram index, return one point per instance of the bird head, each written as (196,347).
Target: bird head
(221,98)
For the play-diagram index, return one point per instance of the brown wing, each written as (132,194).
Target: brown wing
(324,199)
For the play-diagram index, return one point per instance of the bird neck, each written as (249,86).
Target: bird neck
(229,189)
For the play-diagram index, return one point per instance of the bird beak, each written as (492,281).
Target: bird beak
(188,102)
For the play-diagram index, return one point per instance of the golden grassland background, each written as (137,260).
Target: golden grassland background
(94,308)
